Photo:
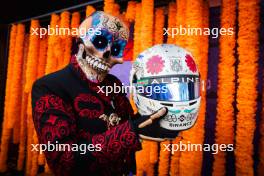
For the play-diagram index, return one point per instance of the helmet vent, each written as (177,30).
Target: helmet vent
(192,103)
(167,104)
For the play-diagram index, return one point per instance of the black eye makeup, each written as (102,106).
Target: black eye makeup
(117,48)
(101,41)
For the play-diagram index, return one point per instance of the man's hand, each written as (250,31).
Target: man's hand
(148,127)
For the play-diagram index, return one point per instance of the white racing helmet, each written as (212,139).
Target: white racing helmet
(166,75)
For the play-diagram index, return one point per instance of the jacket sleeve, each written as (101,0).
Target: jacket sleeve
(55,123)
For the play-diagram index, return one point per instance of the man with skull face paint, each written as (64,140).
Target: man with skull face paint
(68,109)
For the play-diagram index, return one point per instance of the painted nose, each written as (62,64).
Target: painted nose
(106,54)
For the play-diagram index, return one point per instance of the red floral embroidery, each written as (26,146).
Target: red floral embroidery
(49,103)
(119,139)
(52,119)
(63,128)
(114,147)
(190,63)
(155,64)
(100,139)
(95,108)
(48,133)
(127,139)
(84,135)
(68,156)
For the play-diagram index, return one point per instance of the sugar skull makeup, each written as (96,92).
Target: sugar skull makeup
(104,38)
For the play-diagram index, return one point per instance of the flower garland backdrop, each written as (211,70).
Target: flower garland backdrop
(226,83)
(31,57)
(191,161)
(248,21)
(6,132)
(14,102)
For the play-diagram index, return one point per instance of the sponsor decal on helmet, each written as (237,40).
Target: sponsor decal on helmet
(155,65)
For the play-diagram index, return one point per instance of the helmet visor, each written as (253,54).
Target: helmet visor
(169,91)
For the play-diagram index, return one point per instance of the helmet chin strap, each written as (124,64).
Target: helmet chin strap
(91,74)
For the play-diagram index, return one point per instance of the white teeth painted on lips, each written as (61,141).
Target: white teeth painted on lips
(91,62)
(97,64)
(88,59)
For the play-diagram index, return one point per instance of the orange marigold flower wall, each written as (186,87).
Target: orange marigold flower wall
(23,117)
(89,10)
(226,83)
(190,161)
(248,21)
(6,132)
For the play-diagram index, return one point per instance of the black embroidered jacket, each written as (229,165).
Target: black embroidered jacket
(66,110)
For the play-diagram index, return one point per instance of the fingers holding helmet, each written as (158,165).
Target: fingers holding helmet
(155,116)
(148,126)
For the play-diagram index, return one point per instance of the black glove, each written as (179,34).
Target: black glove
(148,127)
